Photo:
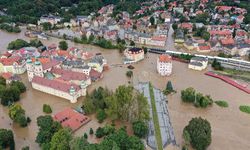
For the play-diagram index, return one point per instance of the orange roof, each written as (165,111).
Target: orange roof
(229,41)
(7,75)
(71,119)
(42,60)
(62,53)
(165,58)
(159,38)
(218,32)
(204,47)
(187,25)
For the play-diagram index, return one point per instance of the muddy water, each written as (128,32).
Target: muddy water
(230,127)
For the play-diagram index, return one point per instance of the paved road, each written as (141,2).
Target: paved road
(170,40)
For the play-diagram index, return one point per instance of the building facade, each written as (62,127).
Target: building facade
(164,65)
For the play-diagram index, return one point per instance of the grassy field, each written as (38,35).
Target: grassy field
(221,103)
(155,119)
(236,74)
(245,108)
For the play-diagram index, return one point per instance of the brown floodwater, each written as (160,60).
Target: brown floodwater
(230,127)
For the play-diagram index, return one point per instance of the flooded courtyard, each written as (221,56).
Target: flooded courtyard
(230,127)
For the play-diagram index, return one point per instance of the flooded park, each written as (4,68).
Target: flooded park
(230,127)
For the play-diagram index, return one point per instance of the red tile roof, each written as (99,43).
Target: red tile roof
(186,25)
(9,61)
(55,84)
(165,58)
(6,75)
(218,32)
(204,47)
(50,64)
(159,38)
(68,75)
(71,119)
(229,41)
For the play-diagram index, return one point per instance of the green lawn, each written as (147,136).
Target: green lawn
(221,103)
(155,119)
(245,108)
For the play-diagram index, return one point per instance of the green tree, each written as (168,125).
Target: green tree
(206,35)
(61,140)
(140,129)
(17,114)
(91,131)
(175,26)
(188,95)
(216,65)
(199,131)
(19,85)
(101,115)
(47,128)
(63,45)
(7,139)
(46,26)
(78,143)
(47,109)
(85,136)
(17,44)
(99,132)
(129,73)
(91,38)
(2,81)
(132,43)
(35,43)
(152,20)
(88,105)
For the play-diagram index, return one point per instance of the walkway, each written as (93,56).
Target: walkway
(166,129)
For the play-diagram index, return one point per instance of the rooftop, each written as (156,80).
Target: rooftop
(165,58)
(72,119)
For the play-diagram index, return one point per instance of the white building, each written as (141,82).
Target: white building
(164,65)
(134,54)
(50,19)
(61,89)
(198,63)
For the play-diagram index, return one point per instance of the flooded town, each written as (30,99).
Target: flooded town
(160,78)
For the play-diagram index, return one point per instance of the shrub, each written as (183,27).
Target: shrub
(99,132)
(91,131)
(221,103)
(140,129)
(245,108)
(47,109)
(85,135)
(199,131)
(129,74)
(19,85)
(101,115)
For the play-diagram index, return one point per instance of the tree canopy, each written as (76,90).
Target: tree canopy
(198,131)
(7,139)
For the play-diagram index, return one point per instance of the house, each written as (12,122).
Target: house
(53,20)
(187,26)
(189,44)
(198,63)
(13,64)
(97,63)
(229,46)
(204,48)
(179,38)
(164,65)
(134,54)
(220,34)
(178,9)
(9,77)
(158,41)
(71,119)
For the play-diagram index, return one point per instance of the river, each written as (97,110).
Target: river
(230,127)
